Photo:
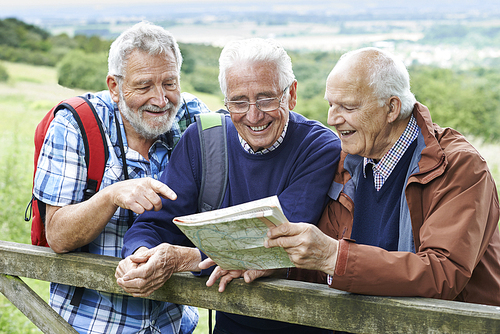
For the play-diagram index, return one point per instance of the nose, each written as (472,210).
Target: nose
(254,115)
(159,98)
(334,117)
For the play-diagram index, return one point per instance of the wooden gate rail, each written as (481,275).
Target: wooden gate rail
(290,301)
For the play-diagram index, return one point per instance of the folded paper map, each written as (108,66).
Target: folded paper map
(234,237)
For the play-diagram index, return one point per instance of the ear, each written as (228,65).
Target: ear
(113,88)
(292,102)
(394,109)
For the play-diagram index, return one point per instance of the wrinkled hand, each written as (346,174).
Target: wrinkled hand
(306,245)
(140,195)
(131,262)
(227,276)
(142,273)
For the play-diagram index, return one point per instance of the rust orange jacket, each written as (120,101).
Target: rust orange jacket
(451,205)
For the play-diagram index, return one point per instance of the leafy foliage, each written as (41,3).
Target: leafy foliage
(25,43)
(21,42)
(4,76)
(81,70)
(311,70)
(204,80)
(20,55)
(468,101)
(18,34)
(200,68)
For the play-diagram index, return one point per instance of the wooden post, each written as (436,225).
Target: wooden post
(290,301)
(33,307)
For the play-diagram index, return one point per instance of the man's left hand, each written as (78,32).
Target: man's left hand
(227,276)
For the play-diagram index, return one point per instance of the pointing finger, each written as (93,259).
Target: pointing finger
(163,190)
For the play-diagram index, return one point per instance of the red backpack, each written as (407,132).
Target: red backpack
(96,155)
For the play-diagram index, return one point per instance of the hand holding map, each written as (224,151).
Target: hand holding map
(234,237)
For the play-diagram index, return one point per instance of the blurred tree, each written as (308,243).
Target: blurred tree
(466,101)
(92,44)
(81,70)
(204,79)
(188,60)
(16,33)
(4,75)
(314,108)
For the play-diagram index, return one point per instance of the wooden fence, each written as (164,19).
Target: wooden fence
(290,301)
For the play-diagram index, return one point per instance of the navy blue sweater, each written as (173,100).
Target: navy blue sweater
(376,213)
(299,171)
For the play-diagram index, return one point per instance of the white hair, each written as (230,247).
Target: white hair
(255,50)
(388,77)
(143,36)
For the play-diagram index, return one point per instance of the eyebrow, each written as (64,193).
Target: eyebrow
(147,81)
(260,95)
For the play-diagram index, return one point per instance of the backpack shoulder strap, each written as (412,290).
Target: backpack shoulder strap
(214,160)
(96,155)
(94,139)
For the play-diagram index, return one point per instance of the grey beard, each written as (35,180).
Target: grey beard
(161,124)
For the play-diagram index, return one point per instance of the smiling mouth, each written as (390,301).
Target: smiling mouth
(346,133)
(259,128)
(156,110)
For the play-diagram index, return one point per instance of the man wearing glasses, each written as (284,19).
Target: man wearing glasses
(272,151)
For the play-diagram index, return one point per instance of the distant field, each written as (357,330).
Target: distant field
(29,94)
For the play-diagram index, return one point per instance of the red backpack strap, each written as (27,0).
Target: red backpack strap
(96,156)
(94,140)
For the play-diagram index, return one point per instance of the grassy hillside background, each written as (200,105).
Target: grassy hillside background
(28,94)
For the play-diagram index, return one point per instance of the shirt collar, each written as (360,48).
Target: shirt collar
(274,146)
(383,169)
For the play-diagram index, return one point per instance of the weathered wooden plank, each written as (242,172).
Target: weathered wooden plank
(33,307)
(295,302)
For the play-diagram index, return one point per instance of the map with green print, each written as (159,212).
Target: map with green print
(234,237)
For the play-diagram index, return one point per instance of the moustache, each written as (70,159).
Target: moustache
(152,108)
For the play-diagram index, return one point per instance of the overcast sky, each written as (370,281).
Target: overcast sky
(22,3)
(38,9)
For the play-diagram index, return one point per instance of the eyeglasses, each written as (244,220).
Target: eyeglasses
(264,105)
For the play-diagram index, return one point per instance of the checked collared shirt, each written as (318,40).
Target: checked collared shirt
(61,179)
(274,146)
(383,169)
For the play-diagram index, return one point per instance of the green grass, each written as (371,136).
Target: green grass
(30,92)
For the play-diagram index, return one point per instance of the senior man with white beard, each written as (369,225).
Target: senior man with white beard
(143,115)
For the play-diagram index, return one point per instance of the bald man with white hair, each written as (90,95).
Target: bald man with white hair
(414,209)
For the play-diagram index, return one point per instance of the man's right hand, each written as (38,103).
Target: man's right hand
(76,225)
(140,195)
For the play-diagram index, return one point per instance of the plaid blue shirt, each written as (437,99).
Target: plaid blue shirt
(61,179)
(383,169)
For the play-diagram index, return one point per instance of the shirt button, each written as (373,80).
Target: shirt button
(156,177)
(153,322)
